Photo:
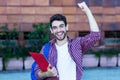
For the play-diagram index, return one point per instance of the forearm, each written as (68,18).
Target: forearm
(92,22)
(91,19)
(39,74)
(37,71)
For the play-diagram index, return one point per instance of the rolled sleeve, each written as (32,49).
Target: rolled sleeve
(89,40)
(36,70)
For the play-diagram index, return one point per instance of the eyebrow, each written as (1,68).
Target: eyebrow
(59,25)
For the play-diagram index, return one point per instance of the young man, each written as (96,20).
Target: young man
(65,53)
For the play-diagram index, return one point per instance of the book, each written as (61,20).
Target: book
(40,60)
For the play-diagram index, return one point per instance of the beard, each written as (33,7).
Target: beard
(60,37)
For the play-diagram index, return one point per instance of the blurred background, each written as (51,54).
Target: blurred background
(24,27)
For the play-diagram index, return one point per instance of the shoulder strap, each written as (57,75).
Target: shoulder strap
(46,53)
(32,72)
(46,50)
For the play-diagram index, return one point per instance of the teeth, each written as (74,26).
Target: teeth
(59,34)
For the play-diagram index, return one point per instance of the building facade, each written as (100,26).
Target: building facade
(21,14)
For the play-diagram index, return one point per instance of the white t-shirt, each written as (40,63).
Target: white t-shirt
(65,64)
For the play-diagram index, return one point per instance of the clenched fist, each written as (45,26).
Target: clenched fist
(84,7)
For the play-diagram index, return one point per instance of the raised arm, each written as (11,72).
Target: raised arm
(91,19)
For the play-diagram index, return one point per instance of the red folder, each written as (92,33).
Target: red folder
(40,60)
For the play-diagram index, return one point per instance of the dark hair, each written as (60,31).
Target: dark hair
(58,17)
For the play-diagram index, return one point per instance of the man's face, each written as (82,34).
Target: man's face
(59,29)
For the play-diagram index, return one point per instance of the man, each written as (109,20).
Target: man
(65,54)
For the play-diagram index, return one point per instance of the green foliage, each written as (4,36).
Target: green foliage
(9,44)
(9,47)
(37,37)
(39,32)
(90,52)
(9,34)
(107,52)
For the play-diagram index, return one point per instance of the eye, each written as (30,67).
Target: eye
(62,25)
(54,27)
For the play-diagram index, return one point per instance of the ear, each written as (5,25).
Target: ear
(51,30)
(67,27)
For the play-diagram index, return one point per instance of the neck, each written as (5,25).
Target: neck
(60,43)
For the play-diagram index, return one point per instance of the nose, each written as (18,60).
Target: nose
(58,29)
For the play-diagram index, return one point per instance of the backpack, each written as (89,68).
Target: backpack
(46,53)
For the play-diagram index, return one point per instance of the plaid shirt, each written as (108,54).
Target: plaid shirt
(76,47)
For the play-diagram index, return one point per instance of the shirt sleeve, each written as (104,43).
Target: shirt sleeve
(36,70)
(89,40)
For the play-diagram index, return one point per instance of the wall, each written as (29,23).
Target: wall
(23,13)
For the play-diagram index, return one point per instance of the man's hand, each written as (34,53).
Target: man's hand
(51,72)
(84,7)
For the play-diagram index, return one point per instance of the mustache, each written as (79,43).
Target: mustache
(60,32)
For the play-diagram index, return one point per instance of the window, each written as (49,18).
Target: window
(8,35)
(105,3)
(79,1)
(112,37)
(96,2)
(26,35)
(83,33)
(112,34)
